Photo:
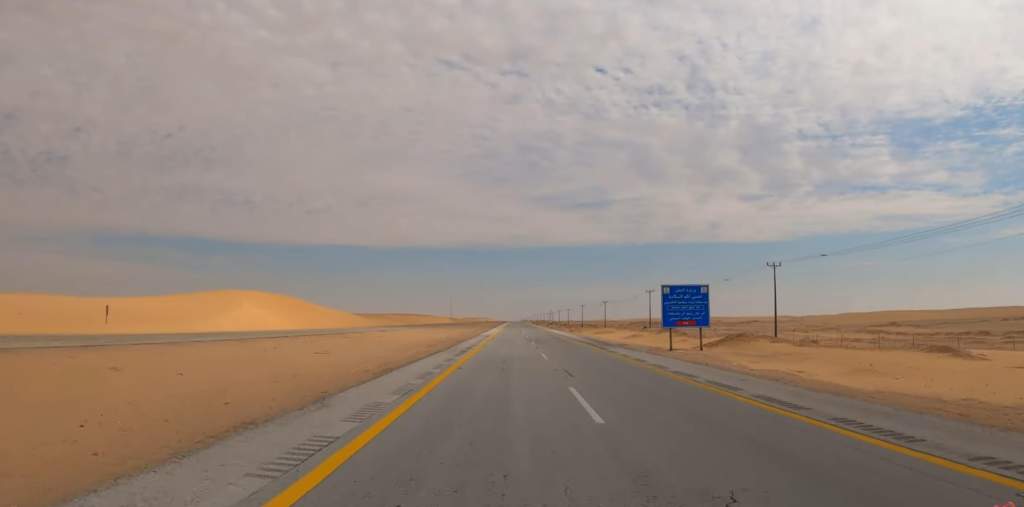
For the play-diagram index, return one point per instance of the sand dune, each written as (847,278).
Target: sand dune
(227,310)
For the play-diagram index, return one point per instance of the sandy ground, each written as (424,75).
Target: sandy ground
(401,319)
(922,369)
(74,418)
(406,319)
(1000,328)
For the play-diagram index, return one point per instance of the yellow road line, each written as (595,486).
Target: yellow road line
(906,451)
(306,483)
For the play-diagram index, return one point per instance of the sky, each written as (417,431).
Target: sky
(516,157)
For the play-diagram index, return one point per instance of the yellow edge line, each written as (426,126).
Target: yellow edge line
(906,451)
(306,483)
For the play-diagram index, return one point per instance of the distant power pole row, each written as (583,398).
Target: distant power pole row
(556,315)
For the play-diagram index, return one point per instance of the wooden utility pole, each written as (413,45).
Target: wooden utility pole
(775,293)
(650,309)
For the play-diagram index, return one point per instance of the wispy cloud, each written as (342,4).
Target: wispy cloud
(449,123)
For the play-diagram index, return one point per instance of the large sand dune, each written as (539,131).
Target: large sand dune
(216,311)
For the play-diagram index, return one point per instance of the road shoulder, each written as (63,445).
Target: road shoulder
(992,450)
(250,460)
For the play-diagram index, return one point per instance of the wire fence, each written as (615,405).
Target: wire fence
(858,339)
(909,341)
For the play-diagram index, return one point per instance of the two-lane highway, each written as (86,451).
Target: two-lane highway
(535,418)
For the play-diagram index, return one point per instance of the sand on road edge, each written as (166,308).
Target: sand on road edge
(78,417)
(979,386)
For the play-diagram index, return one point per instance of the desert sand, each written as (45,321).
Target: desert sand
(966,364)
(999,328)
(75,418)
(405,319)
(215,311)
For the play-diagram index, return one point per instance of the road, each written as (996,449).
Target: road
(535,418)
(59,340)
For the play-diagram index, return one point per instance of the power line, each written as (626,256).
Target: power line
(970,223)
(933,232)
(964,247)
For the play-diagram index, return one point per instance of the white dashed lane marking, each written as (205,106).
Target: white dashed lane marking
(586,406)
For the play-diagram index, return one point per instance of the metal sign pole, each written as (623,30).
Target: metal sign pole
(700,334)
(670,339)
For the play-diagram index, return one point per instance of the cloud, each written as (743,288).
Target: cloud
(517,123)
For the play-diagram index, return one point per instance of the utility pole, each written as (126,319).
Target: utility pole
(451,303)
(559,316)
(650,309)
(568,316)
(581,315)
(605,303)
(775,293)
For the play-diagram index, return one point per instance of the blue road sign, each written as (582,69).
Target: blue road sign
(685,306)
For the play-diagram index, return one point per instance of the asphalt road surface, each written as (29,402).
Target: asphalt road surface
(100,340)
(537,419)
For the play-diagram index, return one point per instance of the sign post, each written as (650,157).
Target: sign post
(686,306)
